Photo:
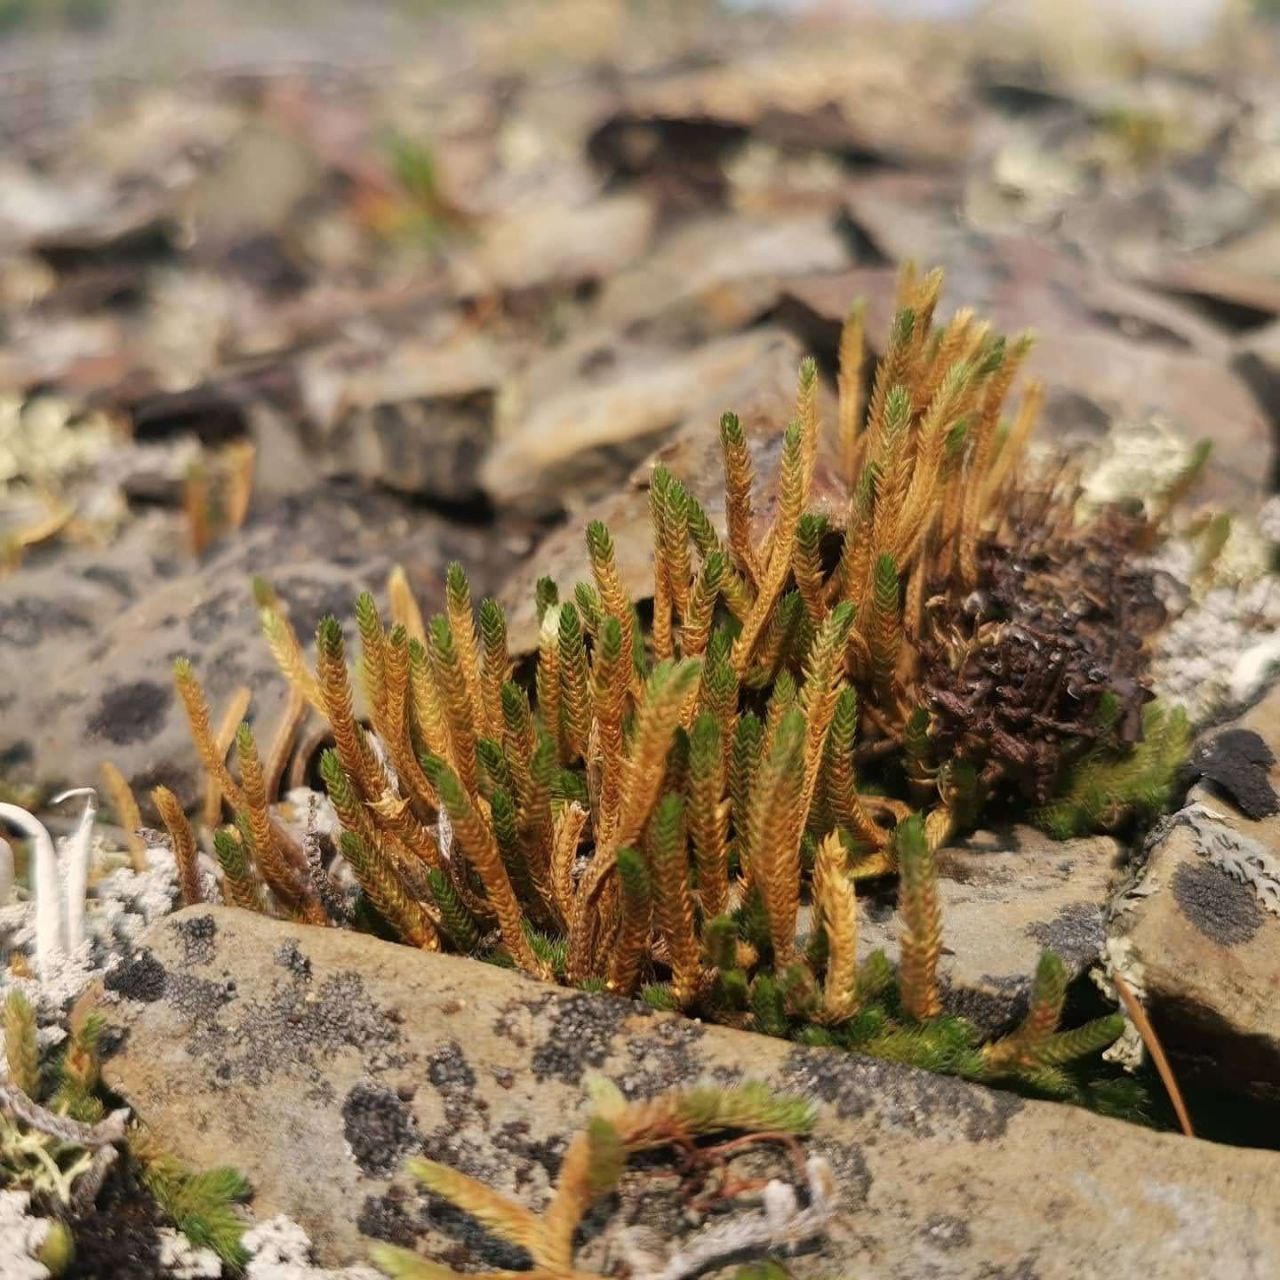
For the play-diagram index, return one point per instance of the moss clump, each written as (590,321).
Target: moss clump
(811,706)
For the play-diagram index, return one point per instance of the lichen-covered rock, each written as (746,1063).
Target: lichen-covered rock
(1006,897)
(316,1059)
(1198,932)
(93,635)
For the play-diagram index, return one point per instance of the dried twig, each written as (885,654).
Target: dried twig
(1138,1014)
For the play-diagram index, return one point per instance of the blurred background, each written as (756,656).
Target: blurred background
(299,287)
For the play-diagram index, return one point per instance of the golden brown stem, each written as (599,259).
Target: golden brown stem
(476,838)
(227,726)
(184,843)
(272,859)
(285,648)
(404,606)
(1138,1015)
(282,741)
(849,386)
(197,708)
(335,688)
(394,733)
(738,480)
(125,808)
(836,911)
(564,853)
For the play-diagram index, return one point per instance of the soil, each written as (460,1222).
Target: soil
(118,1237)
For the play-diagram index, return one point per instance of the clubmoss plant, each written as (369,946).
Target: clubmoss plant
(56,1137)
(201,1204)
(593,1166)
(685,811)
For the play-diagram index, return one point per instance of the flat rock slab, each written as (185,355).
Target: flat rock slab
(1006,897)
(316,1060)
(580,419)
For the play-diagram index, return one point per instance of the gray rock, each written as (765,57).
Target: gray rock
(417,418)
(94,633)
(578,421)
(555,245)
(316,1060)
(719,273)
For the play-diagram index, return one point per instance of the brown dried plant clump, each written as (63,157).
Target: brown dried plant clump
(687,811)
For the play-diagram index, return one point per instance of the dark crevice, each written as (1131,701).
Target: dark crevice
(860,244)
(1238,317)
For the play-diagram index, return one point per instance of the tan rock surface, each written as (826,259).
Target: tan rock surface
(1006,897)
(317,1059)
(578,422)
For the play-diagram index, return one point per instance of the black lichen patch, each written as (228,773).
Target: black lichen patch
(297,1028)
(197,934)
(452,1076)
(529,1154)
(899,1097)
(663,1058)
(198,999)
(462,1143)
(1238,762)
(467,1243)
(289,955)
(514,1014)
(449,1070)
(1023,1269)
(1076,934)
(116,580)
(378,1127)
(580,1032)
(133,712)
(25,622)
(853,1176)
(141,977)
(225,671)
(463,1140)
(1220,907)
(209,619)
(388,1217)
